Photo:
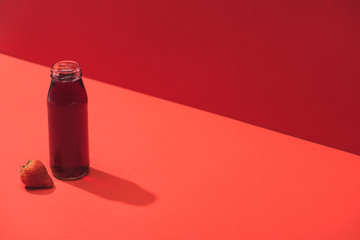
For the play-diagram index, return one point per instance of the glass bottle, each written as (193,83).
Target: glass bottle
(67,106)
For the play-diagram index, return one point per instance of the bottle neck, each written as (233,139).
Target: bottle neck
(66,71)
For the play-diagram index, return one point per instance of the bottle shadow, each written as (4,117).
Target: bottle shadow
(113,188)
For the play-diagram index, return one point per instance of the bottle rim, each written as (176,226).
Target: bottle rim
(66,71)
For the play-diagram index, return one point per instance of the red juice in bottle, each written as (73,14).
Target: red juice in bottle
(68,122)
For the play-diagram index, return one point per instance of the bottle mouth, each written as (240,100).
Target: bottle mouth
(66,71)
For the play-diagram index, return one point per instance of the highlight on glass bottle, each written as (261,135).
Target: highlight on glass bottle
(67,105)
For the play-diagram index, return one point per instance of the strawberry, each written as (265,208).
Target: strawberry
(34,175)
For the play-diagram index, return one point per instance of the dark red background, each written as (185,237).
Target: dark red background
(290,66)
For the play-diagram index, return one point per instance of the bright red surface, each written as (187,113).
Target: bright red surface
(290,66)
(161,170)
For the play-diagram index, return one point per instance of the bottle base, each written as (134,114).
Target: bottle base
(69,174)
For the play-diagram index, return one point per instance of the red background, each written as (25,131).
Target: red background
(290,66)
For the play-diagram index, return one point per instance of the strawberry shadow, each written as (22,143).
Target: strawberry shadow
(113,188)
(40,191)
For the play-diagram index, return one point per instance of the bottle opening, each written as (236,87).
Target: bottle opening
(67,71)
